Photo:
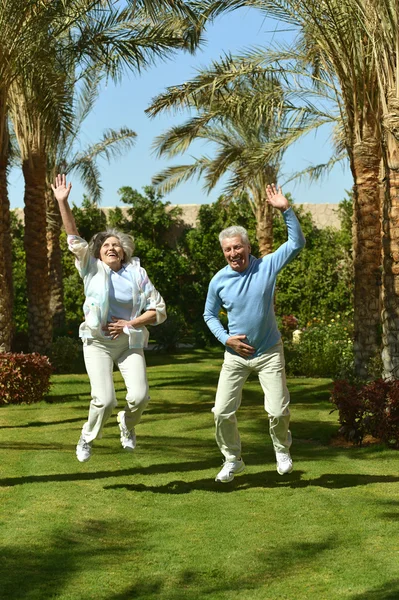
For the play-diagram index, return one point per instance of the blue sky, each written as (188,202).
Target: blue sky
(124,105)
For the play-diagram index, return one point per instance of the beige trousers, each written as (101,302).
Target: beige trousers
(270,368)
(100,357)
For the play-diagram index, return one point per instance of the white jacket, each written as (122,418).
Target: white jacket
(96,276)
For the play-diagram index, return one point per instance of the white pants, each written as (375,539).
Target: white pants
(100,356)
(270,368)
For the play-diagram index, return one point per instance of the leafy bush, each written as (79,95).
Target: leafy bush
(20,317)
(318,283)
(325,349)
(371,408)
(169,334)
(24,378)
(64,353)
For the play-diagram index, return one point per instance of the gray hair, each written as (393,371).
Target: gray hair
(126,240)
(233,232)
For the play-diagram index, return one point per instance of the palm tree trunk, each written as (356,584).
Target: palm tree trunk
(55,261)
(6,286)
(390,272)
(35,242)
(264,226)
(366,252)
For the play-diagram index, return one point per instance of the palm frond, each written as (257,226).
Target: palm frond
(89,174)
(169,178)
(112,144)
(315,173)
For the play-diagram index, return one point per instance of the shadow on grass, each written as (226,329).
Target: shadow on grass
(43,572)
(66,567)
(265,480)
(228,582)
(40,423)
(67,398)
(390,516)
(159,359)
(165,407)
(85,476)
(389,591)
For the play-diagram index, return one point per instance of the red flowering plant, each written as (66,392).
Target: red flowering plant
(288,324)
(24,378)
(390,430)
(368,408)
(350,405)
(373,396)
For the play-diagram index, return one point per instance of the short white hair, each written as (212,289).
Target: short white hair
(233,231)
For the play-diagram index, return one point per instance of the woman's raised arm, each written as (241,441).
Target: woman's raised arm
(61,192)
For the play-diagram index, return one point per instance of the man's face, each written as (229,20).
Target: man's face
(236,253)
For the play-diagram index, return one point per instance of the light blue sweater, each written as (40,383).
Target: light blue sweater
(247,297)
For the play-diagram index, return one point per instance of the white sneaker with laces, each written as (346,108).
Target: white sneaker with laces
(284,463)
(83,449)
(229,470)
(128,438)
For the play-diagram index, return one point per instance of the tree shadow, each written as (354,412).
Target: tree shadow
(393,515)
(389,591)
(41,423)
(165,407)
(197,382)
(43,572)
(67,398)
(159,359)
(191,583)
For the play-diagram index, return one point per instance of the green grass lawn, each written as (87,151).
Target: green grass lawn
(155,525)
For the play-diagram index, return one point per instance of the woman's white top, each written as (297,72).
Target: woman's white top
(99,302)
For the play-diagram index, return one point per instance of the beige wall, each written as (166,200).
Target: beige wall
(323,214)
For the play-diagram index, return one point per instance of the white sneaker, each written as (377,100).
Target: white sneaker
(230,468)
(83,449)
(128,438)
(284,463)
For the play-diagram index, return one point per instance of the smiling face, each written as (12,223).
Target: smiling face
(236,253)
(111,253)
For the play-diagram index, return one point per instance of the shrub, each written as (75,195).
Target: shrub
(169,334)
(24,378)
(64,353)
(325,349)
(371,408)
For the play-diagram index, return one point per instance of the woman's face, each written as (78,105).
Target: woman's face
(111,253)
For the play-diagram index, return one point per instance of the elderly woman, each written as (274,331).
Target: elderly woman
(120,302)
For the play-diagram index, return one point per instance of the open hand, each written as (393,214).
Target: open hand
(61,189)
(275,197)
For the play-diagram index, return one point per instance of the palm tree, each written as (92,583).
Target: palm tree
(63,158)
(78,38)
(229,122)
(379,21)
(333,50)
(6,287)
(336,41)
(18,42)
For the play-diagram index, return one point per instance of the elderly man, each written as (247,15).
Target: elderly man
(244,288)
